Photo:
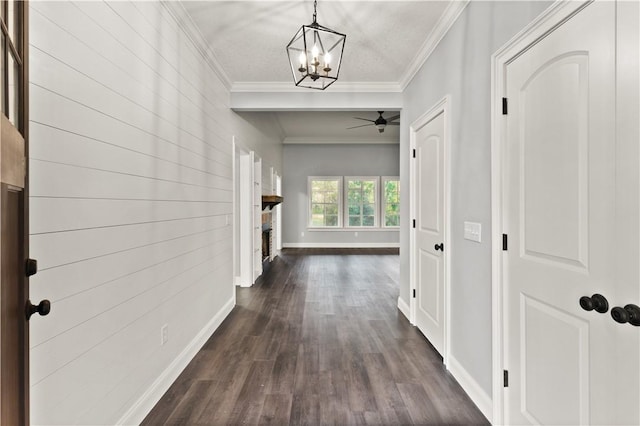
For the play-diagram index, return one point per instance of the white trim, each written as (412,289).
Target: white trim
(337,87)
(143,406)
(185,22)
(341,245)
(395,229)
(354,140)
(471,387)
(442,27)
(547,21)
(404,308)
(441,107)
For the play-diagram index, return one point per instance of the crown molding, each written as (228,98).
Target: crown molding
(178,12)
(354,140)
(337,87)
(444,24)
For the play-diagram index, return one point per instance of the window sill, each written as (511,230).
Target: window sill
(343,229)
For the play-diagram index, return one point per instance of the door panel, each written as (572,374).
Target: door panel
(561,177)
(549,362)
(12,302)
(555,152)
(430,231)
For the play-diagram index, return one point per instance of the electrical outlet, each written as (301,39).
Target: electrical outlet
(164,334)
(302,234)
(355,233)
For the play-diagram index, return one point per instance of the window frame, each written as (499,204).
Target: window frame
(376,206)
(383,201)
(310,203)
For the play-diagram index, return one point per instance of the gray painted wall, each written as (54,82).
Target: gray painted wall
(301,161)
(461,67)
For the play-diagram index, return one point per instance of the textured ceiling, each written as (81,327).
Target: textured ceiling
(248,38)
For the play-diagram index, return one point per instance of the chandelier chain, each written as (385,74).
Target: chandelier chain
(315,4)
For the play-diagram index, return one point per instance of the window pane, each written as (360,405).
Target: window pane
(3,70)
(392,202)
(331,209)
(317,220)
(368,209)
(324,205)
(13,90)
(368,221)
(354,210)
(12,20)
(354,221)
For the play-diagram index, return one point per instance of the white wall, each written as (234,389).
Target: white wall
(131,193)
(460,67)
(302,161)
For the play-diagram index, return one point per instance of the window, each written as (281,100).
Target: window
(361,201)
(325,202)
(390,202)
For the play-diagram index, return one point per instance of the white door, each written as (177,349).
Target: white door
(429,230)
(563,177)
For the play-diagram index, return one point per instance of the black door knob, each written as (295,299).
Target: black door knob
(439,247)
(43,308)
(596,302)
(630,313)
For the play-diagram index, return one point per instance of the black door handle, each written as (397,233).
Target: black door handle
(439,247)
(596,302)
(43,308)
(630,313)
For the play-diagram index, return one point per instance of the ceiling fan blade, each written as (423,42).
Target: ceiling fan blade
(355,127)
(393,124)
(395,117)
(365,119)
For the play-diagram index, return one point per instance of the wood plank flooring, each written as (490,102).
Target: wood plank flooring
(318,340)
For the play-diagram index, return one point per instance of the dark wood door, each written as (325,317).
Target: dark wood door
(13,296)
(14,233)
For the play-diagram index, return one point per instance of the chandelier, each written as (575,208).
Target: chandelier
(315,54)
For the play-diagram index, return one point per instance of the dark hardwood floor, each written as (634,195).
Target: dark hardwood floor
(318,340)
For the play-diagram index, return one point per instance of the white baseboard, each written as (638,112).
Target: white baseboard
(143,406)
(340,245)
(471,387)
(404,308)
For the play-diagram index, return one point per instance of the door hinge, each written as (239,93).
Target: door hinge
(414,153)
(414,293)
(414,223)
(505,378)
(505,244)
(504,106)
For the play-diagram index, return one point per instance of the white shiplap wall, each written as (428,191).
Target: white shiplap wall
(131,205)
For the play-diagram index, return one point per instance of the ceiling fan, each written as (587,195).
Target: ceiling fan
(379,122)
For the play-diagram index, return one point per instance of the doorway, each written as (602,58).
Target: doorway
(242,223)
(566,188)
(429,239)
(14,225)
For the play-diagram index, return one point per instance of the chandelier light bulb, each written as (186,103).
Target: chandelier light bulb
(303,62)
(327,59)
(315,52)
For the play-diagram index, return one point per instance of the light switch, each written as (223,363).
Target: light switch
(472,231)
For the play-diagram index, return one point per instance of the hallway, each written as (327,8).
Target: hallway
(318,340)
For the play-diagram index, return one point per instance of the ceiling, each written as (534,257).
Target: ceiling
(384,38)
(332,127)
